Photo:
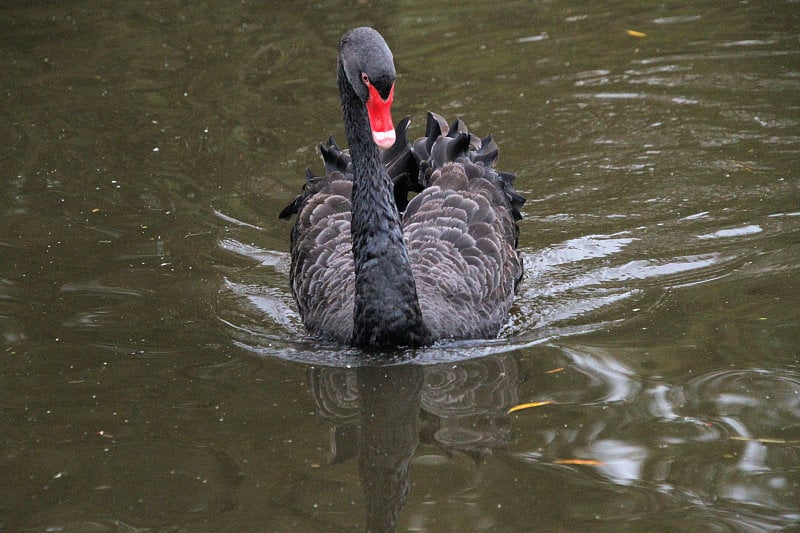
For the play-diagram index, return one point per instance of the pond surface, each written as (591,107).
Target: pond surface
(155,376)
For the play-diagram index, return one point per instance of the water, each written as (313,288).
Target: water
(154,375)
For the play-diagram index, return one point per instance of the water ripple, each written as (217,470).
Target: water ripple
(741,231)
(763,399)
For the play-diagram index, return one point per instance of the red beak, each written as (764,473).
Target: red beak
(380,118)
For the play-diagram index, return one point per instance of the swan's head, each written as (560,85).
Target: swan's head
(369,66)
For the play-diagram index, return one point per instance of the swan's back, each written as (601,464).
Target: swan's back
(460,232)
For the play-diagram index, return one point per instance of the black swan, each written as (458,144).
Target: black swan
(372,268)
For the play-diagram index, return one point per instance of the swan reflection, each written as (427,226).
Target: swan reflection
(380,415)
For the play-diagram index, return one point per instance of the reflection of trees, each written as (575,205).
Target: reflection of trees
(376,413)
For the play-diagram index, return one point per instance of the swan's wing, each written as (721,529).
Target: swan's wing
(322,273)
(461,231)
(461,237)
(443,144)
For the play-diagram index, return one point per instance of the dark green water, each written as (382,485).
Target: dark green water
(154,375)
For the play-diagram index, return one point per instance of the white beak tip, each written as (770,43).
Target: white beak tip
(384,139)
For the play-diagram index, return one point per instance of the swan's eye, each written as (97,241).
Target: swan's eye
(365,78)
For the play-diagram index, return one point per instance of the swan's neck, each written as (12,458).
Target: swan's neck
(386,311)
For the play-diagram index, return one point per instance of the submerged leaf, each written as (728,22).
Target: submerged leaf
(765,440)
(529,405)
(586,462)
